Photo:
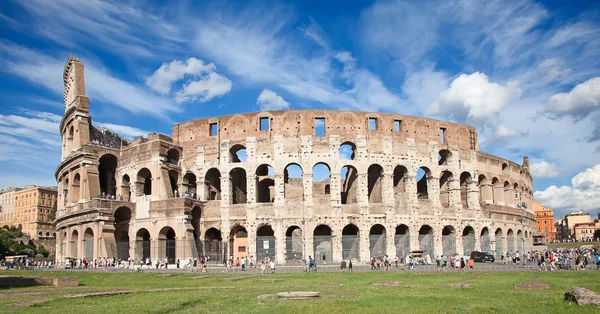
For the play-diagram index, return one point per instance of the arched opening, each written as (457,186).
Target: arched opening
(443,157)
(426,243)
(107,168)
(88,239)
(74,243)
(445,179)
(237,179)
(238,243)
(448,240)
(75,196)
(484,241)
(465,182)
(174,180)
(265,184)
(498,191)
(126,188)
(520,240)
(322,243)
(293,185)
(173,156)
(122,218)
(499,243)
(505,169)
(350,242)
(66,191)
(349,190)
(142,244)
(144,181)
(71,133)
(377,241)
(212,184)
(400,180)
(423,175)
(510,241)
(237,153)
(166,238)
(189,185)
(347,151)
(375,183)
(508,194)
(327,189)
(402,241)
(486,195)
(265,243)
(196,215)
(468,239)
(294,244)
(321,177)
(213,246)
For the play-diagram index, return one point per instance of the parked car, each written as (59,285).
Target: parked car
(482,257)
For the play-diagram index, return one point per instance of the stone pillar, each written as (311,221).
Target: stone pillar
(460,248)
(252,242)
(307,186)
(361,193)
(365,254)
(201,189)
(279,241)
(279,189)
(336,194)
(251,188)
(437,242)
(390,245)
(454,190)
(473,196)
(336,246)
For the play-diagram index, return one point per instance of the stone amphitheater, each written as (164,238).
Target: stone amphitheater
(284,185)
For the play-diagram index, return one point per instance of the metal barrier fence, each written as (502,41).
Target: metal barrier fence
(402,245)
(350,247)
(426,243)
(468,244)
(322,248)
(448,245)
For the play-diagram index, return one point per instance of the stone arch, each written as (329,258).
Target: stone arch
(498,191)
(465,182)
(423,176)
(350,242)
(174,181)
(265,184)
(88,239)
(122,218)
(377,240)
(196,216)
(238,182)
(107,168)
(126,187)
(448,240)
(499,237)
(212,184)
(321,178)
(75,187)
(238,242)
(349,190)
(265,243)
(508,194)
(189,185)
(468,240)
(486,191)
(213,245)
(293,179)
(426,237)
(322,243)
(375,183)
(400,174)
(347,151)
(167,244)
(445,178)
(144,181)
(173,156)
(484,240)
(520,241)
(294,244)
(74,243)
(505,168)
(510,240)
(402,240)
(444,156)
(142,245)
(238,153)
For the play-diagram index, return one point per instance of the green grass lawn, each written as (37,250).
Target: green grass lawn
(571,245)
(340,293)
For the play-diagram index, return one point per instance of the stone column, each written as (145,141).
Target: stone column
(279,241)
(335,190)
(460,248)
(390,246)
(251,188)
(252,242)
(454,190)
(361,193)
(200,189)
(279,189)
(336,246)
(437,242)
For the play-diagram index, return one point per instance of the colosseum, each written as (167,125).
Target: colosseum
(284,185)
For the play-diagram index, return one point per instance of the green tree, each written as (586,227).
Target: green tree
(52,214)
(42,250)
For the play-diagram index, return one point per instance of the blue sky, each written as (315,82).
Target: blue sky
(525,73)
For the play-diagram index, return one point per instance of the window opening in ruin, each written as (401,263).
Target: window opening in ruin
(212,182)
(196,215)
(327,189)
(213,129)
(264,124)
(122,217)
(174,180)
(265,184)
(468,240)
(445,179)
(347,151)
(189,185)
(448,240)
(238,186)
(107,167)
(319,126)
(373,124)
(505,168)
(237,153)
(400,179)
(321,177)
(213,246)
(402,241)
(265,243)
(465,182)
(375,184)
(322,244)
(75,186)
(166,238)
(350,242)
(377,240)
(442,135)
(238,242)
(173,157)
(397,126)
(485,190)
(144,181)
(485,241)
(443,157)
(71,131)
(293,244)
(142,245)
(426,242)
(126,188)
(349,193)
(423,175)
(293,182)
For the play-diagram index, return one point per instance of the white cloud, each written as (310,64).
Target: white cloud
(582,194)
(579,102)
(206,88)
(269,100)
(171,72)
(472,97)
(543,169)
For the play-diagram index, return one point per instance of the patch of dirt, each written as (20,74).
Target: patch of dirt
(462,285)
(533,284)
(267,296)
(164,275)
(233,278)
(27,303)
(199,277)
(390,283)
(271,280)
(582,296)
(329,283)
